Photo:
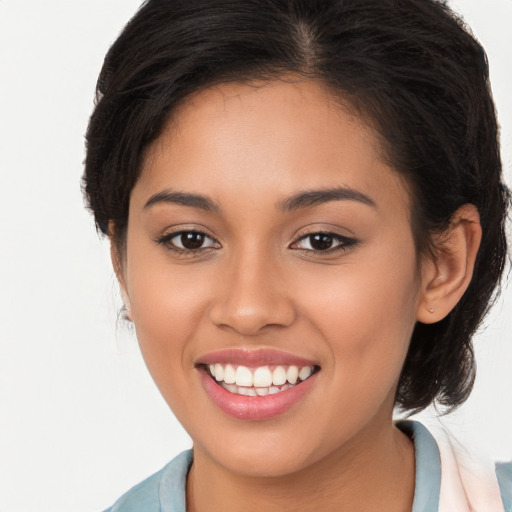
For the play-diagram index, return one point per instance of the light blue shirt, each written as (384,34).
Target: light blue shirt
(165,490)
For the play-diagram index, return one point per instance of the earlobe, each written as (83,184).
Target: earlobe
(117,264)
(126,303)
(447,277)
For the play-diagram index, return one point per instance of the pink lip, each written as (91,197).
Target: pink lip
(254,358)
(254,407)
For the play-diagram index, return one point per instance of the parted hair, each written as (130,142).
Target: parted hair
(410,68)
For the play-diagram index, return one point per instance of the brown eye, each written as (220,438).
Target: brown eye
(191,240)
(320,242)
(324,242)
(188,241)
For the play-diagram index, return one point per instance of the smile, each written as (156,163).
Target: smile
(259,381)
(256,384)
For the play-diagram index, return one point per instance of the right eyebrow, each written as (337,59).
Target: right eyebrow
(198,201)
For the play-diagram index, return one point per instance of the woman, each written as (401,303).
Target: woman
(306,217)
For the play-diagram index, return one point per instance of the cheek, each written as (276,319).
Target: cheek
(365,314)
(366,310)
(167,307)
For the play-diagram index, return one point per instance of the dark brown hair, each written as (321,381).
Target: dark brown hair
(410,67)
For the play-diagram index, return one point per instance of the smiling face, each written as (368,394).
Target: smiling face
(269,252)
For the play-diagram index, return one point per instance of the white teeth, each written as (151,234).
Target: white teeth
(229,374)
(292,374)
(219,372)
(243,376)
(262,377)
(259,381)
(246,391)
(279,376)
(232,388)
(305,372)
(253,391)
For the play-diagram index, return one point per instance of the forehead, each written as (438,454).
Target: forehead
(279,136)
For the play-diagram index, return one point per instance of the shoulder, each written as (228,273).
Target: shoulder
(162,492)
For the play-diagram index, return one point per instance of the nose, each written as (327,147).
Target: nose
(252,296)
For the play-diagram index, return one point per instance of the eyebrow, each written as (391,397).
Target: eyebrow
(183,198)
(304,199)
(310,198)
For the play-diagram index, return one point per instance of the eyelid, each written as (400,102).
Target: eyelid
(185,228)
(344,242)
(326,228)
(177,235)
(170,233)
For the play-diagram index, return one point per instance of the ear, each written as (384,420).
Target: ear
(446,277)
(118,265)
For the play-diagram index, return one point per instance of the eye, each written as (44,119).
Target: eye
(323,242)
(184,241)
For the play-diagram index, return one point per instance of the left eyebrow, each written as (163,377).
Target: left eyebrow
(310,198)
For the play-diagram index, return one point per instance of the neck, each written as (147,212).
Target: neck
(373,469)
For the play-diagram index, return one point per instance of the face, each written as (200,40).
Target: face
(271,275)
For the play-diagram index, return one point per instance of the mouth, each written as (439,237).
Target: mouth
(261,380)
(256,385)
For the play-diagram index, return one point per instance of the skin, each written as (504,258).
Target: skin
(258,283)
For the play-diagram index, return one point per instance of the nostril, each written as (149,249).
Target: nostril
(248,320)
(250,293)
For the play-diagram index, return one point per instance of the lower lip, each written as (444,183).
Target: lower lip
(255,407)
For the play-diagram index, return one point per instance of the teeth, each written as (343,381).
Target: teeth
(304,373)
(279,376)
(262,377)
(252,391)
(219,372)
(229,374)
(232,388)
(292,374)
(243,376)
(259,381)
(246,391)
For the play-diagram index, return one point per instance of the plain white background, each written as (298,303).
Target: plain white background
(80,419)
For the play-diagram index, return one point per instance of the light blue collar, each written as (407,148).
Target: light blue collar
(428,467)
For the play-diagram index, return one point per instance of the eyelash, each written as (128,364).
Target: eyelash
(166,241)
(344,243)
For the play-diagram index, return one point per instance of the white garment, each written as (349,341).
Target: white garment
(468,483)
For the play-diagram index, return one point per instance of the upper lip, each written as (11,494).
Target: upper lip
(254,358)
